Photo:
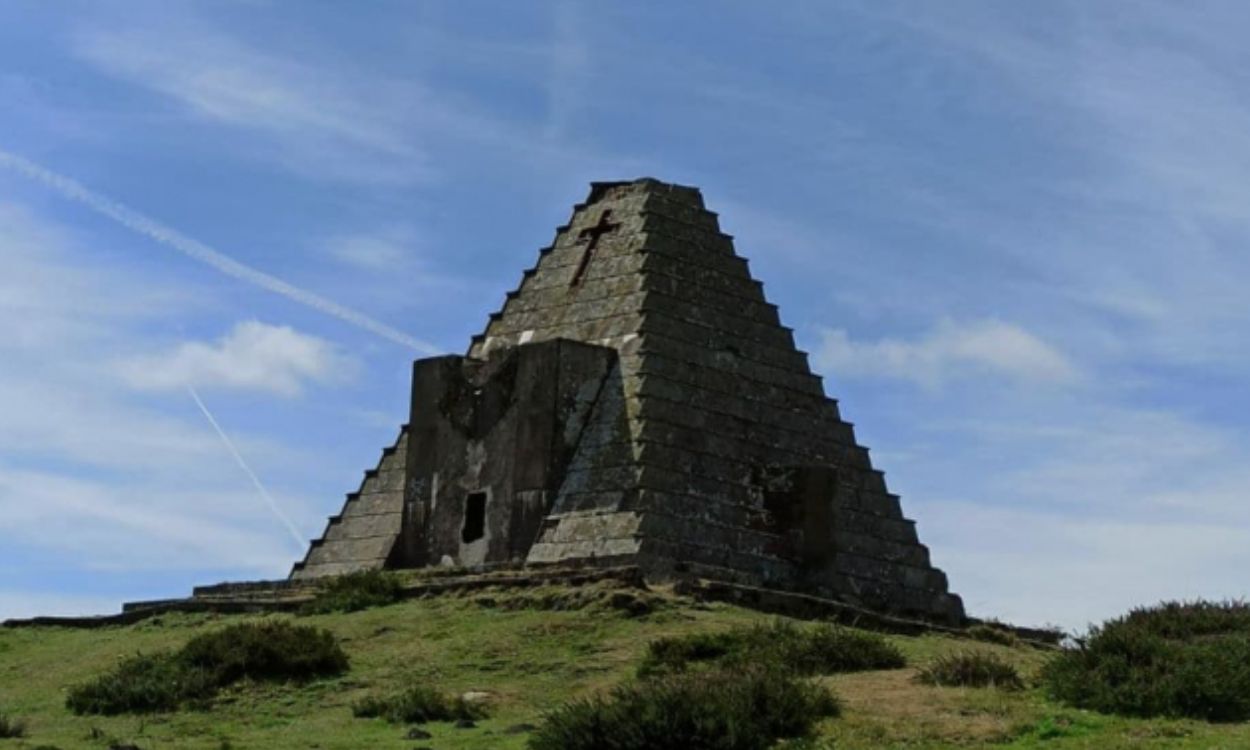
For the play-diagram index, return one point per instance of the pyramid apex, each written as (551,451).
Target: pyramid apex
(684,193)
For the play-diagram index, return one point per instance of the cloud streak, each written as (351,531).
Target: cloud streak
(196,250)
(107,489)
(300,542)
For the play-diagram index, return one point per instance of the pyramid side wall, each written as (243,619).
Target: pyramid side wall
(702,434)
(363,534)
(712,387)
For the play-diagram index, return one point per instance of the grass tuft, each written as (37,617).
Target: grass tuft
(268,651)
(607,598)
(418,705)
(812,650)
(978,669)
(719,709)
(356,591)
(1176,659)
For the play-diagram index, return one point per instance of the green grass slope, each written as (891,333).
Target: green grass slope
(528,653)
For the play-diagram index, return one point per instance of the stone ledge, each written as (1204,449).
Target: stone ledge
(808,607)
(289,596)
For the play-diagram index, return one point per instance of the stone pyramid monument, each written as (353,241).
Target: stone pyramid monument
(637,401)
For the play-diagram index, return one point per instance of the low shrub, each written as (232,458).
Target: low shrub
(417,705)
(142,683)
(165,681)
(829,649)
(715,709)
(272,650)
(1176,659)
(10,728)
(991,633)
(971,669)
(1188,620)
(812,650)
(356,591)
(678,652)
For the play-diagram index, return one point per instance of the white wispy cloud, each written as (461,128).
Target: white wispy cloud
(1122,254)
(315,118)
(1065,509)
(92,473)
(330,119)
(22,603)
(347,118)
(57,301)
(138,525)
(1148,230)
(253,356)
(48,294)
(380,250)
(196,250)
(951,350)
(1028,565)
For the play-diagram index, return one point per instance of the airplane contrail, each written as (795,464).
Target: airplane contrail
(300,541)
(154,230)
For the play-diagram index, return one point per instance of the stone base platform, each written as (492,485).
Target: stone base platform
(806,607)
(290,595)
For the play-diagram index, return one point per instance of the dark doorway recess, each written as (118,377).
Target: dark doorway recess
(474,517)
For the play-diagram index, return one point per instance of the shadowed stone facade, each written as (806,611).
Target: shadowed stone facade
(637,401)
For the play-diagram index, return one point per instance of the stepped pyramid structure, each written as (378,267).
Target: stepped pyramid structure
(637,401)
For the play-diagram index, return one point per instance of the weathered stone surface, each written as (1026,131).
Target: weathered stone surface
(685,432)
(362,536)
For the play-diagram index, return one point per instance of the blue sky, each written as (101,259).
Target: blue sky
(1013,237)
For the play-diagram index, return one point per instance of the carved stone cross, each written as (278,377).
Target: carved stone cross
(602,227)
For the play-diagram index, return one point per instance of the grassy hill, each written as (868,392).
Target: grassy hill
(529,652)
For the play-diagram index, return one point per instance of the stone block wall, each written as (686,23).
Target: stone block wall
(714,390)
(363,535)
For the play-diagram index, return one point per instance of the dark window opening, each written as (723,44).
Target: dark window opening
(779,497)
(474,517)
(781,509)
